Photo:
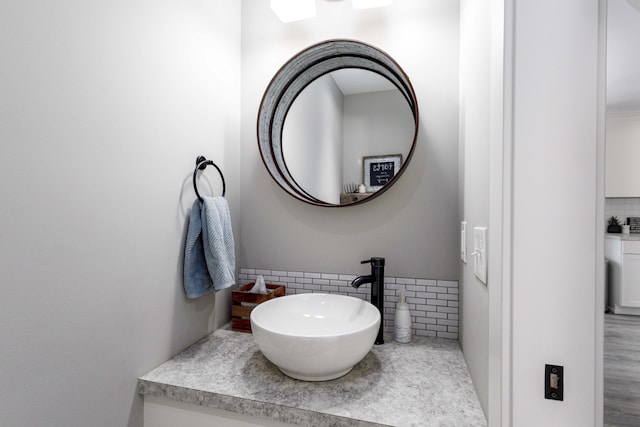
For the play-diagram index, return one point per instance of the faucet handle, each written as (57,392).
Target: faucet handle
(375,261)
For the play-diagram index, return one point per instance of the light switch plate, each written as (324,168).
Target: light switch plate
(480,253)
(463,241)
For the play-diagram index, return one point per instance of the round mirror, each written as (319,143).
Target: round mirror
(337,125)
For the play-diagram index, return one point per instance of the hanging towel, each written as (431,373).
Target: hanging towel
(217,238)
(209,257)
(196,279)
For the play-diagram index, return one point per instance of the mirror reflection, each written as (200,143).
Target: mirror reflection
(338,121)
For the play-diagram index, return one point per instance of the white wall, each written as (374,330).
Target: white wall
(539,163)
(556,275)
(312,139)
(104,107)
(414,224)
(475,122)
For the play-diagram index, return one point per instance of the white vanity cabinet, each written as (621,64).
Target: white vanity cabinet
(162,412)
(623,256)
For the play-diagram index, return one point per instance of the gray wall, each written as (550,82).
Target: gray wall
(414,224)
(104,107)
(375,124)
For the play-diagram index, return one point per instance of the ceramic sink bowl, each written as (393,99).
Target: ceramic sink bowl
(315,337)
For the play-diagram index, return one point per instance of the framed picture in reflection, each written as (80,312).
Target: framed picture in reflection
(377,171)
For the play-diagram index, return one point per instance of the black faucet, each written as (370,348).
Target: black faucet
(376,278)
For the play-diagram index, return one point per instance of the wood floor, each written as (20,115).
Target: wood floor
(621,371)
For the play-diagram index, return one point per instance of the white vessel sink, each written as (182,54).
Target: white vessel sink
(315,337)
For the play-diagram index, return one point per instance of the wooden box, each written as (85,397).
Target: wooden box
(240,312)
(353,197)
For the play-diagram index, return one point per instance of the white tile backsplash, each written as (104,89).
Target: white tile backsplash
(622,207)
(433,303)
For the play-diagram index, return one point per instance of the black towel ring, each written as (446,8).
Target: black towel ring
(201,164)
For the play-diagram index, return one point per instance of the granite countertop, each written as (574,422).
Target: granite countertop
(424,383)
(623,236)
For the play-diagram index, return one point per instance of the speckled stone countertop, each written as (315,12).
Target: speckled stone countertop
(623,236)
(425,383)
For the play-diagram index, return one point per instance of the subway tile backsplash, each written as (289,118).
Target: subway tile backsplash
(433,303)
(622,208)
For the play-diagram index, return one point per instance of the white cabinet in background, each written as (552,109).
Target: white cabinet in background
(622,174)
(623,256)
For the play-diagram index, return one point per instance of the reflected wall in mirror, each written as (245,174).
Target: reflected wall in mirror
(325,111)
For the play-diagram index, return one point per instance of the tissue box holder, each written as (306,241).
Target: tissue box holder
(240,313)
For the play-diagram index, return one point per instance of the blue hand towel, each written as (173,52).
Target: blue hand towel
(217,236)
(209,257)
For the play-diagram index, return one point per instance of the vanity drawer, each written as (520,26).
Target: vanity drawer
(631,247)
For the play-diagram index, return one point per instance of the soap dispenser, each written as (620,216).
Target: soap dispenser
(402,330)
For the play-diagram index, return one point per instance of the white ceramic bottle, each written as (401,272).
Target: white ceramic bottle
(402,330)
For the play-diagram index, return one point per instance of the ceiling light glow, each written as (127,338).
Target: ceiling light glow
(293,10)
(367,4)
